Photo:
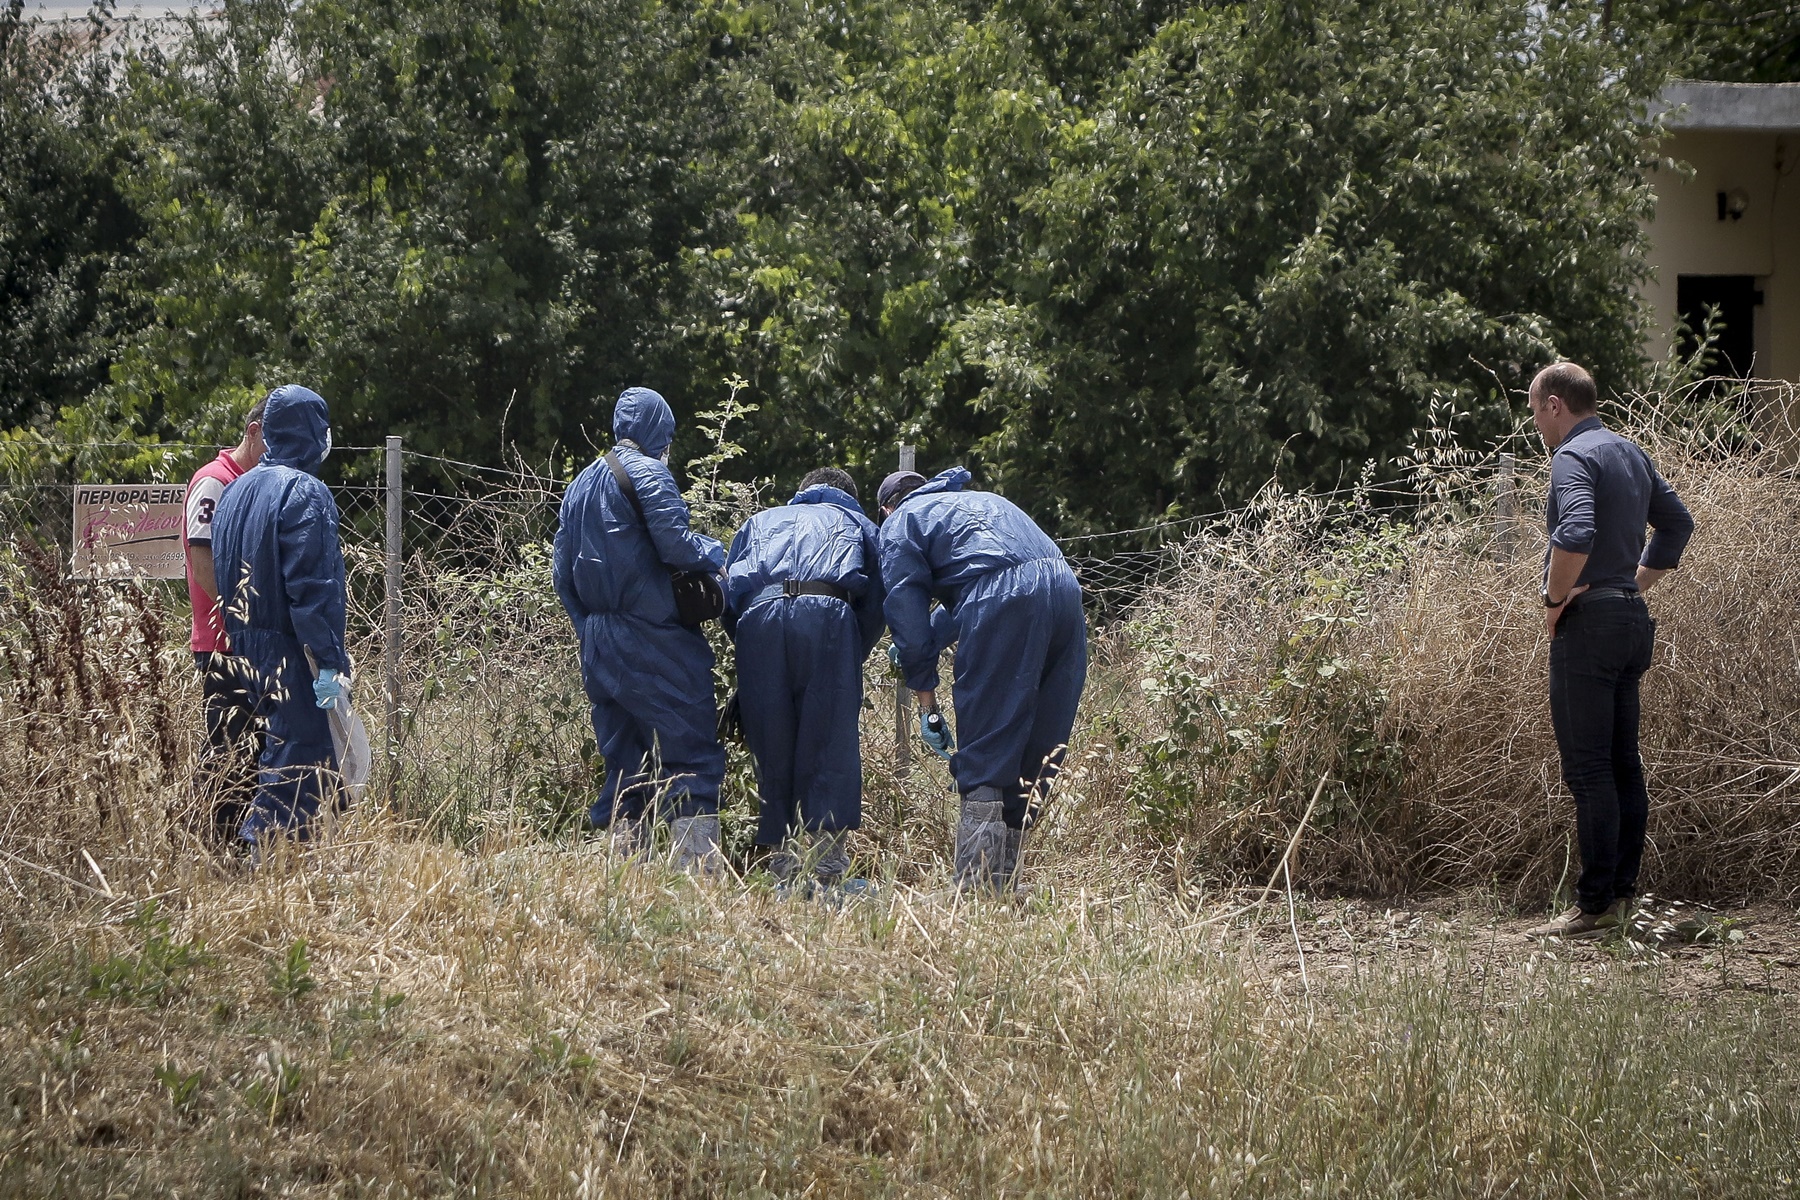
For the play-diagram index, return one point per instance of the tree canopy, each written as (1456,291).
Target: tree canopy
(1125,257)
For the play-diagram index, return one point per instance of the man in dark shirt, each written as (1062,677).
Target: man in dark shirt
(1603,491)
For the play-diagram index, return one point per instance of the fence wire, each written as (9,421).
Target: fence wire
(464,522)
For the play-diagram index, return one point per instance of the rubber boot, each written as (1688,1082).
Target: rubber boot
(831,856)
(821,861)
(628,837)
(695,848)
(1006,879)
(980,841)
(788,865)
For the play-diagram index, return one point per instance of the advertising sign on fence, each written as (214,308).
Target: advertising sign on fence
(125,529)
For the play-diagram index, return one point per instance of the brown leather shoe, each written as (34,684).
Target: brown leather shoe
(1578,924)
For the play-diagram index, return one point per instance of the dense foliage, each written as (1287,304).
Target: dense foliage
(62,219)
(1743,41)
(1048,237)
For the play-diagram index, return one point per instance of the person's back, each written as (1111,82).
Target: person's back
(281,588)
(1014,611)
(822,536)
(1604,490)
(610,561)
(961,534)
(803,601)
(648,677)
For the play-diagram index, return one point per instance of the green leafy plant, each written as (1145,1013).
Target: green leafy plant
(156,971)
(290,977)
(1234,750)
(183,1089)
(277,1078)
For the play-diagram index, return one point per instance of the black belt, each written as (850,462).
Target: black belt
(800,587)
(1610,593)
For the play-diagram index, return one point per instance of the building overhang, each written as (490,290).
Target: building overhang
(1695,105)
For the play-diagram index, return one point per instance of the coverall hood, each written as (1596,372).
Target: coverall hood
(297,428)
(953,479)
(644,417)
(824,493)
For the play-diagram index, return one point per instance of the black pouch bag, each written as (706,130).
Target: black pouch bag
(698,596)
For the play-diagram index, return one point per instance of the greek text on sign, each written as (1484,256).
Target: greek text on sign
(129,529)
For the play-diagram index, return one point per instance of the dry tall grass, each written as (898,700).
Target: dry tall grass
(458,996)
(1409,661)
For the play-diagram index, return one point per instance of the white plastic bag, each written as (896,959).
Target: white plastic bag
(349,737)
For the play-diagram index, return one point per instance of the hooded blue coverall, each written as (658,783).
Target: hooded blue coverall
(281,590)
(1021,638)
(648,677)
(799,658)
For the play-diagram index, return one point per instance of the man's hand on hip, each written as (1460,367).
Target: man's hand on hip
(1553,615)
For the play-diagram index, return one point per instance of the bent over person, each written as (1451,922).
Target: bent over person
(803,602)
(1603,492)
(281,588)
(225,782)
(648,677)
(1014,611)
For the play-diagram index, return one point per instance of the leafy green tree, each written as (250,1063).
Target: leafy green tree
(1740,41)
(440,215)
(1262,241)
(1126,257)
(62,219)
(890,148)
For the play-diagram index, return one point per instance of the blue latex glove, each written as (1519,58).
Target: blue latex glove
(894,655)
(934,731)
(327,688)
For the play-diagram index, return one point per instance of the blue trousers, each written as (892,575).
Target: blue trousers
(800,689)
(1021,662)
(297,769)
(650,694)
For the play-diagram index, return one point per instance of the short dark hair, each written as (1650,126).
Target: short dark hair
(830,477)
(255,415)
(1571,383)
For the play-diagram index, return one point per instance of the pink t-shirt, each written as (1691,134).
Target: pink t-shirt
(203,493)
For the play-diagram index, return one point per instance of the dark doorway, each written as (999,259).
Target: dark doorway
(1735,297)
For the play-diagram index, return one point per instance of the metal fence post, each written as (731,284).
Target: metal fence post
(902,727)
(1506,508)
(390,665)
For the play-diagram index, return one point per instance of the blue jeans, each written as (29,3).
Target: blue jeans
(1599,655)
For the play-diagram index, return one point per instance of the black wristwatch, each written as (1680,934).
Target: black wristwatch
(1548,602)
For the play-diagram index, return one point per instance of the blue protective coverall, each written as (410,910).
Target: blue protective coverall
(800,658)
(648,677)
(1021,638)
(281,589)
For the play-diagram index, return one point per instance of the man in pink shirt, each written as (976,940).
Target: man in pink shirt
(226,780)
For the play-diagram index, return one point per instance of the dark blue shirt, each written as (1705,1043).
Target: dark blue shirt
(1603,491)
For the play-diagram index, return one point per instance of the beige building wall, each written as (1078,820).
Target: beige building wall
(1740,140)
(1687,237)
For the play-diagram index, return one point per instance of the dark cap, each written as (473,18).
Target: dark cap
(895,487)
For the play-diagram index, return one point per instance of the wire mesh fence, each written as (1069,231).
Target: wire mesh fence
(466,667)
(467,521)
(461,523)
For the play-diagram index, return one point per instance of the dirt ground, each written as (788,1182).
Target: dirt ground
(1697,952)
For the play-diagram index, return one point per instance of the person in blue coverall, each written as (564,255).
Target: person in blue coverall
(803,602)
(280,573)
(1012,606)
(648,677)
